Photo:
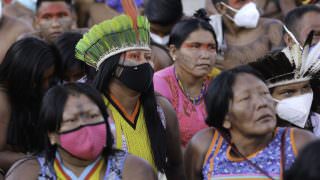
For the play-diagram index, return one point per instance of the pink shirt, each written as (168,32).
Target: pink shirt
(191,117)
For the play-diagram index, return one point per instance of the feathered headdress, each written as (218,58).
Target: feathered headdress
(291,65)
(111,37)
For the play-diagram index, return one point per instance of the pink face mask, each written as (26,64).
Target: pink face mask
(85,143)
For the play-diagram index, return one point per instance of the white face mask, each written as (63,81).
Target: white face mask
(295,109)
(160,40)
(247,16)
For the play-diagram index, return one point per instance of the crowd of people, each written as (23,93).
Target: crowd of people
(136,89)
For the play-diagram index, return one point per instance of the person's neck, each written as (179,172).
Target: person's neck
(230,27)
(75,164)
(128,98)
(250,145)
(189,82)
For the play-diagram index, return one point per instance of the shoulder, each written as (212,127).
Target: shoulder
(301,137)
(201,141)
(165,105)
(137,168)
(196,151)
(271,22)
(18,25)
(24,169)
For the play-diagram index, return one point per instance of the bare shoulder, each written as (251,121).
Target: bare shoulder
(171,120)
(137,168)
(271,22)
(19,25)
(24,169)
(164,102)
(200,142)
(302,137)
(15,26)
(196,151)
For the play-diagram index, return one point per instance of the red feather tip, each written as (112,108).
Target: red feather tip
(131,10)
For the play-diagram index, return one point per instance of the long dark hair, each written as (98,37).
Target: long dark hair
(22,71)
(53,107)
(155,128)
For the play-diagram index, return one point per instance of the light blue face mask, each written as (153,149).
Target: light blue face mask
(30,4)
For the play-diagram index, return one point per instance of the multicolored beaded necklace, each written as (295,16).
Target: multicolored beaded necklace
(195,100)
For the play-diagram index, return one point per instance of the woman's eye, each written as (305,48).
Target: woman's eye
(94,116)
(244,98)
(287,93)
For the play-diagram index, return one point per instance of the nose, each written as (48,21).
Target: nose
(55,22)
(204,54)
(263,101)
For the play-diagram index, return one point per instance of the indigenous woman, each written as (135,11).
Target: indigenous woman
(78,141)
(193,48)
(143,124)
(242,141)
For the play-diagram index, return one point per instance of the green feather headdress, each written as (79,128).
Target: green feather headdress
(111,37)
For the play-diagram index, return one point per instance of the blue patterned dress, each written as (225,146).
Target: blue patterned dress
(219,165)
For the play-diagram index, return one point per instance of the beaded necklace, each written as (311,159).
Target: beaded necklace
(194,100)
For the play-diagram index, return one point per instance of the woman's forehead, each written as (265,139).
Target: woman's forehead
(246,82)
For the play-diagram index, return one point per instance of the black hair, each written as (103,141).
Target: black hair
(293,18)
(163,12)
(307,164)
(66,44)
(52,109)
(154,125)
(184,28)
(22,71)
(39,2)
(220,93)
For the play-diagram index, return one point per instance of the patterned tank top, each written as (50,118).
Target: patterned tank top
(219,165)
(114,168)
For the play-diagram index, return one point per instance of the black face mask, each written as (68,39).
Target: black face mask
(138,78)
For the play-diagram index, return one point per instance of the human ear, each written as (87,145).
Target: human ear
(226,123)
(53,138)
(173,52)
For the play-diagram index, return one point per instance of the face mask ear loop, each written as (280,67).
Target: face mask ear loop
(292,36)
(229,7)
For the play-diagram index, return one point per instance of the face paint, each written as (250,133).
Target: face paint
(53,18)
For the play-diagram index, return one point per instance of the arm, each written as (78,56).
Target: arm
(302,138)
(175,165)
(195,153)
(24,169)
(7,158)
(136,168)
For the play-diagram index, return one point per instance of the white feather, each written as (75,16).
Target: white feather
(312,59)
